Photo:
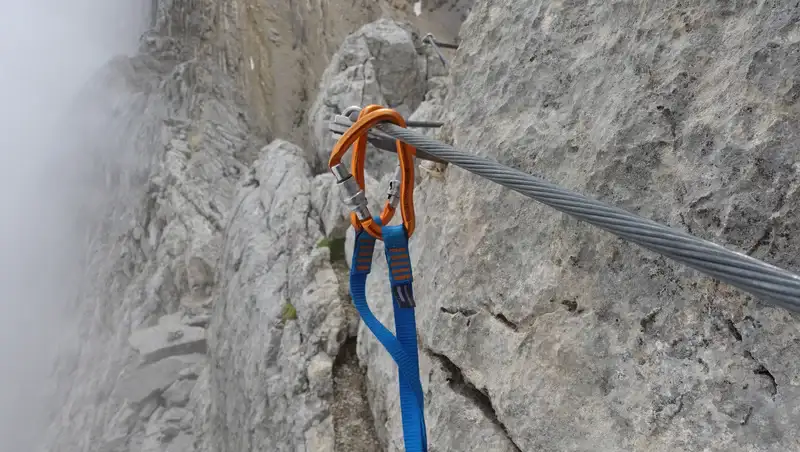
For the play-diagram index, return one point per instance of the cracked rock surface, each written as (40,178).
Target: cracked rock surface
(134,379)
(222,321)
(678,111)
(382,63)
(273,368)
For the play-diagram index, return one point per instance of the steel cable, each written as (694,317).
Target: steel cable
(747,273)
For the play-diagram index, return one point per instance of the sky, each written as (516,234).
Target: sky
(48,51)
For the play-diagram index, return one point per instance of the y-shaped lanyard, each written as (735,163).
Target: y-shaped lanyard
(403,347)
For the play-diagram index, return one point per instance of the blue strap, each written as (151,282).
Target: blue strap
(402,348)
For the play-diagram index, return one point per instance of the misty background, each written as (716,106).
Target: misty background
(49,50)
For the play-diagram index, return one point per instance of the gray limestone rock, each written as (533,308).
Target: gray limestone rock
(458,415)
(263,396)
(537,332)
(148,408)
(168,339)
(432,109)
(181,443)
(379,64)
(116,435)
(155,194)
(319,437)
(178,393)
(167,431)
(199,320)
(175,415)
(681,112)
(319,374)
(200,407)
(192,373)
(327,199)
(152,379)
(172,196)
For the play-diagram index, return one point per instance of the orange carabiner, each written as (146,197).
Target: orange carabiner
(357,135)
(358,162)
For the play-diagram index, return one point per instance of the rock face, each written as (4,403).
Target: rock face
(222,320)
(203,326)
(154,379)
(168,338)
(159,195)
(577,340)
(279,50)
(269,365)
(379,64)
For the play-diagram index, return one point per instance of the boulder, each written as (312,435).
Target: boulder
(168,431)
(320,437)
(378,64)
(319,374)
(177,395)
(144,382)
(116,435)
(168,338)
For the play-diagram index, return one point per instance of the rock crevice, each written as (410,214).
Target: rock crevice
(352,419)
(460,385)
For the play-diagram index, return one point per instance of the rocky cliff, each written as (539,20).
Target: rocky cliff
(569,338)
(222,320)
(213,315)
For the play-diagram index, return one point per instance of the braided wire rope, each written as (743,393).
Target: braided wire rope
(766,281)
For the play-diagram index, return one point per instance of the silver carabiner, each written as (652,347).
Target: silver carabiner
(354,195)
